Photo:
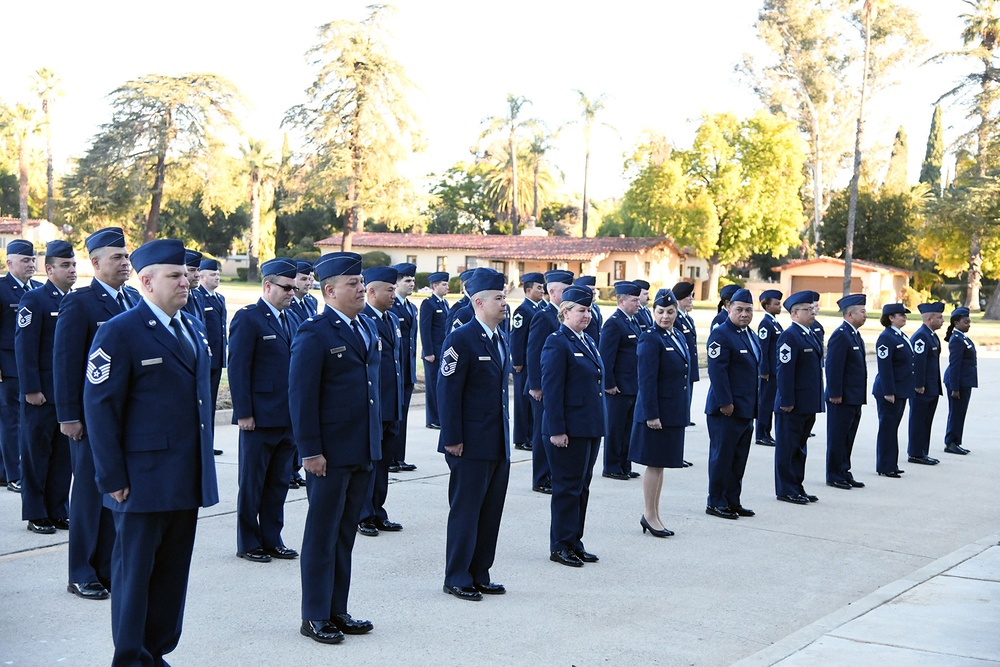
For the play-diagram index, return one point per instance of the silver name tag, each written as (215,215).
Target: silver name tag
(578,354)
(338,350)
(152,362)
(485,358)
(271,337)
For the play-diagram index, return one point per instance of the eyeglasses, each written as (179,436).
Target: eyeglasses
(287,288)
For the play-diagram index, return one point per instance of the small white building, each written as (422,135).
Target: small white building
(880,282)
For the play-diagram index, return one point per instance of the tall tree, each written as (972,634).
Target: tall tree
(930,170)
(261,172)
(886,224)
(47,87)
(589,110)
(895,176)
(541,143)
(510,124)
(22,124)
(356,118)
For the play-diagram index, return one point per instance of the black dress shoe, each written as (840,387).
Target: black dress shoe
(282,552)
(297,478)
(633,474)
(950,449)
(324,632)
(464,592)
(922,460)
(388,526)
(257,555)
(687,464)
(292,484)
(585,556)
(766,442)
(653,531)
(812,435)
(368,529)
(841,484)
(406,467)
(351,626)
(41,526)
(795,499)
(690,423)
(889,474)
(61,524)
(490,589)
(721,512)
(436,427)
(542,489)
(615,475)
(217,452)
(520,445)
(856,484)
(394,467)
(14,486)
(565,557)
(742,511)
(811,498)
(92,590)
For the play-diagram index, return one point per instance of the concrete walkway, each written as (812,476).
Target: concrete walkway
(897,573)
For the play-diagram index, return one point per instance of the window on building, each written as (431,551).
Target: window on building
(646,269)
(411,259)
(499,265)
(520,268)
(694,272)
(471,262)
(442,263)
(619,270)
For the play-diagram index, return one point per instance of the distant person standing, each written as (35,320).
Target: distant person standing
(406,313)
(194,306)
(433,329)
(460,309)
(534,287)
(846,391)
(684,292)
(725,295)
(644,316)
(618,348)
(596,318)
(893,386)
(926,382)
(961,377)
(213,307)
(768,331)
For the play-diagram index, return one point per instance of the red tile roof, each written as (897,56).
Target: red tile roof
(13,225)
(496,246)
(872,266)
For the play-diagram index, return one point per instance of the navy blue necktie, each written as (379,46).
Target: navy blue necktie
(187,353)
(357,334)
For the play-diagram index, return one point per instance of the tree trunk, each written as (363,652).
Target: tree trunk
(153,219)
(852,206)
(586,172)
(352,222)
(714,273)
(534,210)
(975,280)
(514,220)
(817,187)
(993,306)
(22,182)
(253,247)
(49,176)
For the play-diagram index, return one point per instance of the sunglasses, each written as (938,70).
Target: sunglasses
(287,288)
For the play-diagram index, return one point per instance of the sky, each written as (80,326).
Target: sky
(661,64)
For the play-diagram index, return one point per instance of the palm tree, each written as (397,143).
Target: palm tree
(21,121)
(506,189)
(47,87)
(589,110)
(511,124)
(541,143)
(261,171)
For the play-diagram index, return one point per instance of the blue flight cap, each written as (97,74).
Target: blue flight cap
(894,309)
(485,279)
(532,278)
(440,276)
(337,264)
(664,298)
(209,265)
(583,296)
(158,251)
(384,274)
(627,288)
(642,284)
(851,300)
(806,296)
(279,266)
(465,275)
(559,276)
(960,312)
(21,247)
(770,294)
(728,291)
(586,281)
(405,269)
(936,307)
(113,237)
(60,249)
(192,258)
(741,295)
(302,266)
(683,290)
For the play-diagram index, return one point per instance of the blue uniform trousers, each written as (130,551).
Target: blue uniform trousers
(150,568)
(766,390)
(378,485)
(841,428)
(572,469)
(541,474)
(10,417)
(922,409)
(91,524)
(791,431)
(46,467)
(523,423)
(957,409)
(214,379)
(335,503)
(430,391)
(265,466)
(476,493)
(399,445)
(887,441)
(621,410)
(729,448)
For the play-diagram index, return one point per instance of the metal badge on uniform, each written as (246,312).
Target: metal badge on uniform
(98,367)
(517,321)
(209,308)
(631,335)
(918,347)
(714,350)
(438,311)
(882,351)
(744,351)
(448,367)
(24,317)
(14,305)
(338,350)
(54,314)
(855,348)
(899,346)
(271,337)
(669,349)
(152,362)
(784,353)
(485,358)
(578,354)
(379,344)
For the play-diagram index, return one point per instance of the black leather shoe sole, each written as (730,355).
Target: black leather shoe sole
(389,526)
(468,594)
(436,427)
(922,460)
(89,591)
(327,634)
(615,475)
(41,527)
(721,513)
(742,511)
(795,500)
(351,626)
(368,529)
(567,558)
(840,485)
(490,589)
(282,552)
(542,489)
(894,475)
(255,556)
(955,450)
(856,484)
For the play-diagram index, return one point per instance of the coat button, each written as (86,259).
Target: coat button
(369,383)
(371,402)
(199,401)
(202,427)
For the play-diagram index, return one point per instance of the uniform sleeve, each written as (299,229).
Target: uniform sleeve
(109,375)
(553,363)
(425,320)
(610,338)
(242,344)
(648,352)
(70,358)
(953,374)
(27,343)
(884,349)
(536,340)
(455,363)
(519,337)
(920,361)
(305,371)
(718,372)
(786,373)
(836,360)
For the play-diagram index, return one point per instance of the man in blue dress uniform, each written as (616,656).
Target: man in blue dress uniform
(644,316)
(799,398)
(216,319)
(433,329)
(460,305)
(46,467)
(406,313)
(475,438)
(621,382)
(337,425)
(194,306)
(926,382)
(846,391)
(684,292)
(730,407)
(152,451)
(543,323)
(20,268)
(534,286)
(596,318)
(380,284)
(725,295)
(303,304)
(768,331)
(81,313)
(259,356)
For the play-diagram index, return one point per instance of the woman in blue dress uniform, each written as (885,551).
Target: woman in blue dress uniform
(573,423)
(960,377)
(662,411)
(893,385)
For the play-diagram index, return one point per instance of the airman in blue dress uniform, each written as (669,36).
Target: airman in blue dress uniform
(926,382)
(194,306)
(475,438)
(81,313)
(213,307)
(892,387)
(433,329)
(406,313)
(619,352)
(46,466)
(684,292)
(152,451)
(337,425)
(644,316)
(730,407)
(798,399)
(768,331)
(725,295)
(596,318)
(304,304)
(259,358)
(960,378)
(534,287)
(459,309)
(846,391)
